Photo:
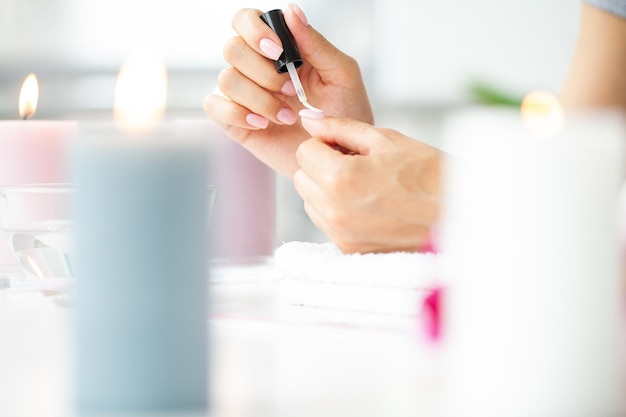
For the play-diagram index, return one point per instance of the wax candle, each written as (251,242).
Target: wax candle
(533,310)
(32,151)
(141,303)
(244,226)
(141,300)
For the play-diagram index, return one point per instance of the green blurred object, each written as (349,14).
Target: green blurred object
(490,95)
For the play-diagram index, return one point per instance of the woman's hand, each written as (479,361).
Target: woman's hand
(368,189)
(258,107)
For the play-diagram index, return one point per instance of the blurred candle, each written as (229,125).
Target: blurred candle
(534,307)
(32,151)
(141,309)
(244,226)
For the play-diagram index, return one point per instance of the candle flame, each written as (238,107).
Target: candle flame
(140,91)
(542,114)
(29,95)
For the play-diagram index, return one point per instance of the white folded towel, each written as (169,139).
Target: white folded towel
(324,285)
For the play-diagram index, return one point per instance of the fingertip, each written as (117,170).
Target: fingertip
(294,8)
(248,24)
(205,103)
(257,121)
(288,89)
(312,121)
(209,104)
(299,154)
(297,178)
(311,114)
(270,49)
(286,116)
(216,91)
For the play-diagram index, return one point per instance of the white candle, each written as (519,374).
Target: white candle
(534,310)
(32,151)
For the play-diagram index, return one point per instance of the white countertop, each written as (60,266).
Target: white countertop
(261,363)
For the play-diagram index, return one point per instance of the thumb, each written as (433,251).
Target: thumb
(350,134)
(314,48)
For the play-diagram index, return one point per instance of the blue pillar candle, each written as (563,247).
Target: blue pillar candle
(141,302)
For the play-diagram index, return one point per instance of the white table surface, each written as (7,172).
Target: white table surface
(260,364)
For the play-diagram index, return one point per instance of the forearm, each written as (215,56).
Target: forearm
(597,75)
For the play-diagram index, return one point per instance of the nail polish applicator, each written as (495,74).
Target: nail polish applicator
(290,59)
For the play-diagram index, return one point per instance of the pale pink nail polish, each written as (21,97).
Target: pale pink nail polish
(270,48)
(298,11)
(311,114)
(257,121)
(286,116)
(288,89)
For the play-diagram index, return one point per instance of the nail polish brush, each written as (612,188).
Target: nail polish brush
(291,68)
(290,59)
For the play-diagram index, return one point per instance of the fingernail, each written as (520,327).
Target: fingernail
(286,116)
(288,89)
(270,48)
(298,11)
(311,114)
(257,121)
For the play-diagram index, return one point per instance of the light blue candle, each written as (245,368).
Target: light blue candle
(141,305)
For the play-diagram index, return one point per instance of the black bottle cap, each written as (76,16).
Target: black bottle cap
(275,19)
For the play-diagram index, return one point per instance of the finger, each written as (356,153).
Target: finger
(317,219)
(241,89)
(304,185)
(315,48)
(313,197)
(320,162)
(350,134)
(248,24)
(228,113)
(308,189)
(256,67)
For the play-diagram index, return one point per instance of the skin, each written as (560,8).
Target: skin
(597,75)
(382,196)
(331,79)
(369,189)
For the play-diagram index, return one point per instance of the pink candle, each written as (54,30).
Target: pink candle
(32,151)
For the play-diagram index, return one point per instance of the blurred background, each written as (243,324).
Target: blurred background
(421,59)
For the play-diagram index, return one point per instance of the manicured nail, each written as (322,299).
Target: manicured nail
(286,116)
(257,121)
(288,89)
(270,48)
(298,11)
(311,114)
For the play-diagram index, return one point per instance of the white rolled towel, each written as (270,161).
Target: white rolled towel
(324,285)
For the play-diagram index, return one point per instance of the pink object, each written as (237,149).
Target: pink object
(33,151)
(431,245)
(431,315)
(243,228)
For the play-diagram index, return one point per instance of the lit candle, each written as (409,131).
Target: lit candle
(534,308)
(32,151)
(141,204)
